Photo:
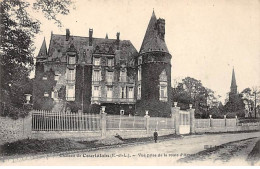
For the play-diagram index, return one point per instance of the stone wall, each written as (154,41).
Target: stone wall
(13,130)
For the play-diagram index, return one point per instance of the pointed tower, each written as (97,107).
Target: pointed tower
(233,88)
(43,50)
(39,67)
(154,71)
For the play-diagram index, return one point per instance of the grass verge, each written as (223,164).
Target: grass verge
(35,146)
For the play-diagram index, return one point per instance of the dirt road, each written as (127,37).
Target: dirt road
(161,153)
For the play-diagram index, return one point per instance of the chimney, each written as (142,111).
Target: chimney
(117,40)
(117,36)
(67,34)
(161,28)
(90,37)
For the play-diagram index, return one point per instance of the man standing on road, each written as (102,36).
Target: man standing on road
(155,135)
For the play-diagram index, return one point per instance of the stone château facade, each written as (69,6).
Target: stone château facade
(83,73)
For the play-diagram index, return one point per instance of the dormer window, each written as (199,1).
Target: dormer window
(96,61)
(110,62)
(72,60)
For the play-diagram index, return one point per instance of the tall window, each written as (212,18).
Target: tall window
(71,75)
(163,92)
(122,76)
(163,86)
(139,74)
(72,60)
(123,93)
(96,61)
(96,91)
(96,76)
(109,93)
(110,76)
(139,92)
(110,62)
(70,94)
(130,92)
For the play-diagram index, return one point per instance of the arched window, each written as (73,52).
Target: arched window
(163,87)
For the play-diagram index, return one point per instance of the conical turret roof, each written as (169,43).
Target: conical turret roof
(152,40)
(43,50)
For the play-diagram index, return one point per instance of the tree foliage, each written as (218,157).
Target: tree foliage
(251,99)
(18,29)
(191,91)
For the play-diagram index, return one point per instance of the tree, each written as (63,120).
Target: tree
(191,91)
(251,99)
(235,105)
(18,29)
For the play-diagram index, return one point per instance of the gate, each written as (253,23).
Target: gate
(184,122)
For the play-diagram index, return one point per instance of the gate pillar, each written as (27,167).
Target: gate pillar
(103,122)
(192,120)
(176,115)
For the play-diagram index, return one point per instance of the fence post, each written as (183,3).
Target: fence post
(225,118)
(176,114)
(210,120)
(236,121)
(103,122)
(147,121)
(192,119)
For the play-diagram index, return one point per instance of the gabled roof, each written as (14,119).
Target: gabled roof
(152,41)
(43,50)
(233,81)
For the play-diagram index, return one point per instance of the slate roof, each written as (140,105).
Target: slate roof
(152,41)
(59,46)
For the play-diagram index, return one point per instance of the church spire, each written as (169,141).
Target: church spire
(233,86)
(154,36)
(43,50)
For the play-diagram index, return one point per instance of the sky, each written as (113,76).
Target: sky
(206,38)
